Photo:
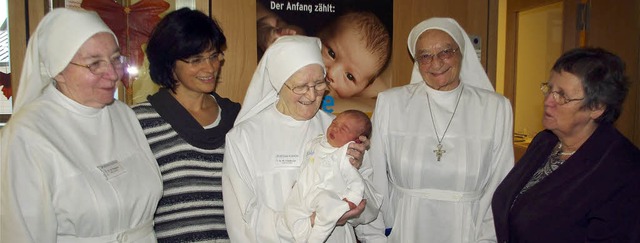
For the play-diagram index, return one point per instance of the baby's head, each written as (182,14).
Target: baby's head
(355,50)
(348,126)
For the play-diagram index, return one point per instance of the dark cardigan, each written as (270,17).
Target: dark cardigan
(593,196)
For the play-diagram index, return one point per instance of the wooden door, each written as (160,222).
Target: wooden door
(616,27)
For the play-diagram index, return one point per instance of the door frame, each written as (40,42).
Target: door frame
(514,7)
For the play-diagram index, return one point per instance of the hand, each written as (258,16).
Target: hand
(352,213)
(351,205)
(356,151)
(266,29)
(271,27)
(312,218)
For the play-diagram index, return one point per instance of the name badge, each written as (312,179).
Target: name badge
(112,169)
(287,160)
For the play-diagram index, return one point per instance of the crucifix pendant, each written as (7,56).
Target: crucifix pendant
(439,151)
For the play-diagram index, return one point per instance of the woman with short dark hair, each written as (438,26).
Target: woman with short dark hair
(185,123)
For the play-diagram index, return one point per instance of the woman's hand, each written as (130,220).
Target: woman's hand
(352,213)
(356,151)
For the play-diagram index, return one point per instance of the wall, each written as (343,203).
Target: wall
(473,16)
(238,21)
(615,27)
(501,42)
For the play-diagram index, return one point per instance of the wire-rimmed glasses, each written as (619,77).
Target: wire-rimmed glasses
(303,89)
(557,96)
(100,67)
(216,57)
(426,59)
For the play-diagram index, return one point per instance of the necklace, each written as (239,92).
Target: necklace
(564,153)
(439,151)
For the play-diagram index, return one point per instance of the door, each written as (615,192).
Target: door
(539,44)
(616,27)
(536,35)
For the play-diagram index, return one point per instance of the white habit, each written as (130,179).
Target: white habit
(259,173)
(69,172)
(327,177)
(427,200)
(264,152)
(72,173)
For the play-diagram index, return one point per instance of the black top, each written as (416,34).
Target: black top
(187,127)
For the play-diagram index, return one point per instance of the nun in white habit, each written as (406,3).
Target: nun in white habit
(445,141)
(264,150)
(75,165)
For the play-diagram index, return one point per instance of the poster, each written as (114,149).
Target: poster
(356,62)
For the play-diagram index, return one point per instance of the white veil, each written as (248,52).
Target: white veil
(52,46)
(472,72)
(283,58)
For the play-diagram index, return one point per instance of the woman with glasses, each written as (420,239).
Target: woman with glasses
(265,149)
(444,140)
(185,123)
(75,166)
(578,180)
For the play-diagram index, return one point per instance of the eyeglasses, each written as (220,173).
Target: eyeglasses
(558,96)
(100,67)
(216,57)
(425,59)
(303,89)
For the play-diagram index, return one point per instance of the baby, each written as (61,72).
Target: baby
(328,184)
(355,50)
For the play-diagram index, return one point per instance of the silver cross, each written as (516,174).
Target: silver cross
(439,152)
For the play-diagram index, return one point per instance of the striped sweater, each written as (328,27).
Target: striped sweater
(190,209)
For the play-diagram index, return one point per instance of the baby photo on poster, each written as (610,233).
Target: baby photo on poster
(356,44)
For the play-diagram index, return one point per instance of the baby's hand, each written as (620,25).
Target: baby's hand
(351,205)
(271,28)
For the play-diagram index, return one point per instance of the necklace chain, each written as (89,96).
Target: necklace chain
(439,151)
(564,153)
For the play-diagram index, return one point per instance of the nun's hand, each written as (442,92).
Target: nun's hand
(356,151)
(352,213)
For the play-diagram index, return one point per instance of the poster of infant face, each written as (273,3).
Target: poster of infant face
(356,44)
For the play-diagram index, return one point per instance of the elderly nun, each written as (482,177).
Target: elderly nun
(75,165)
(264,150)
(444,140)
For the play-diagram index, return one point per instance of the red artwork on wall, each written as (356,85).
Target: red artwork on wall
(132,24)
(5,82)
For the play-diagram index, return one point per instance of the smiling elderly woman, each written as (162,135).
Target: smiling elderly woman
(579,179)
(444,140)
(265,149)
(75,164)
